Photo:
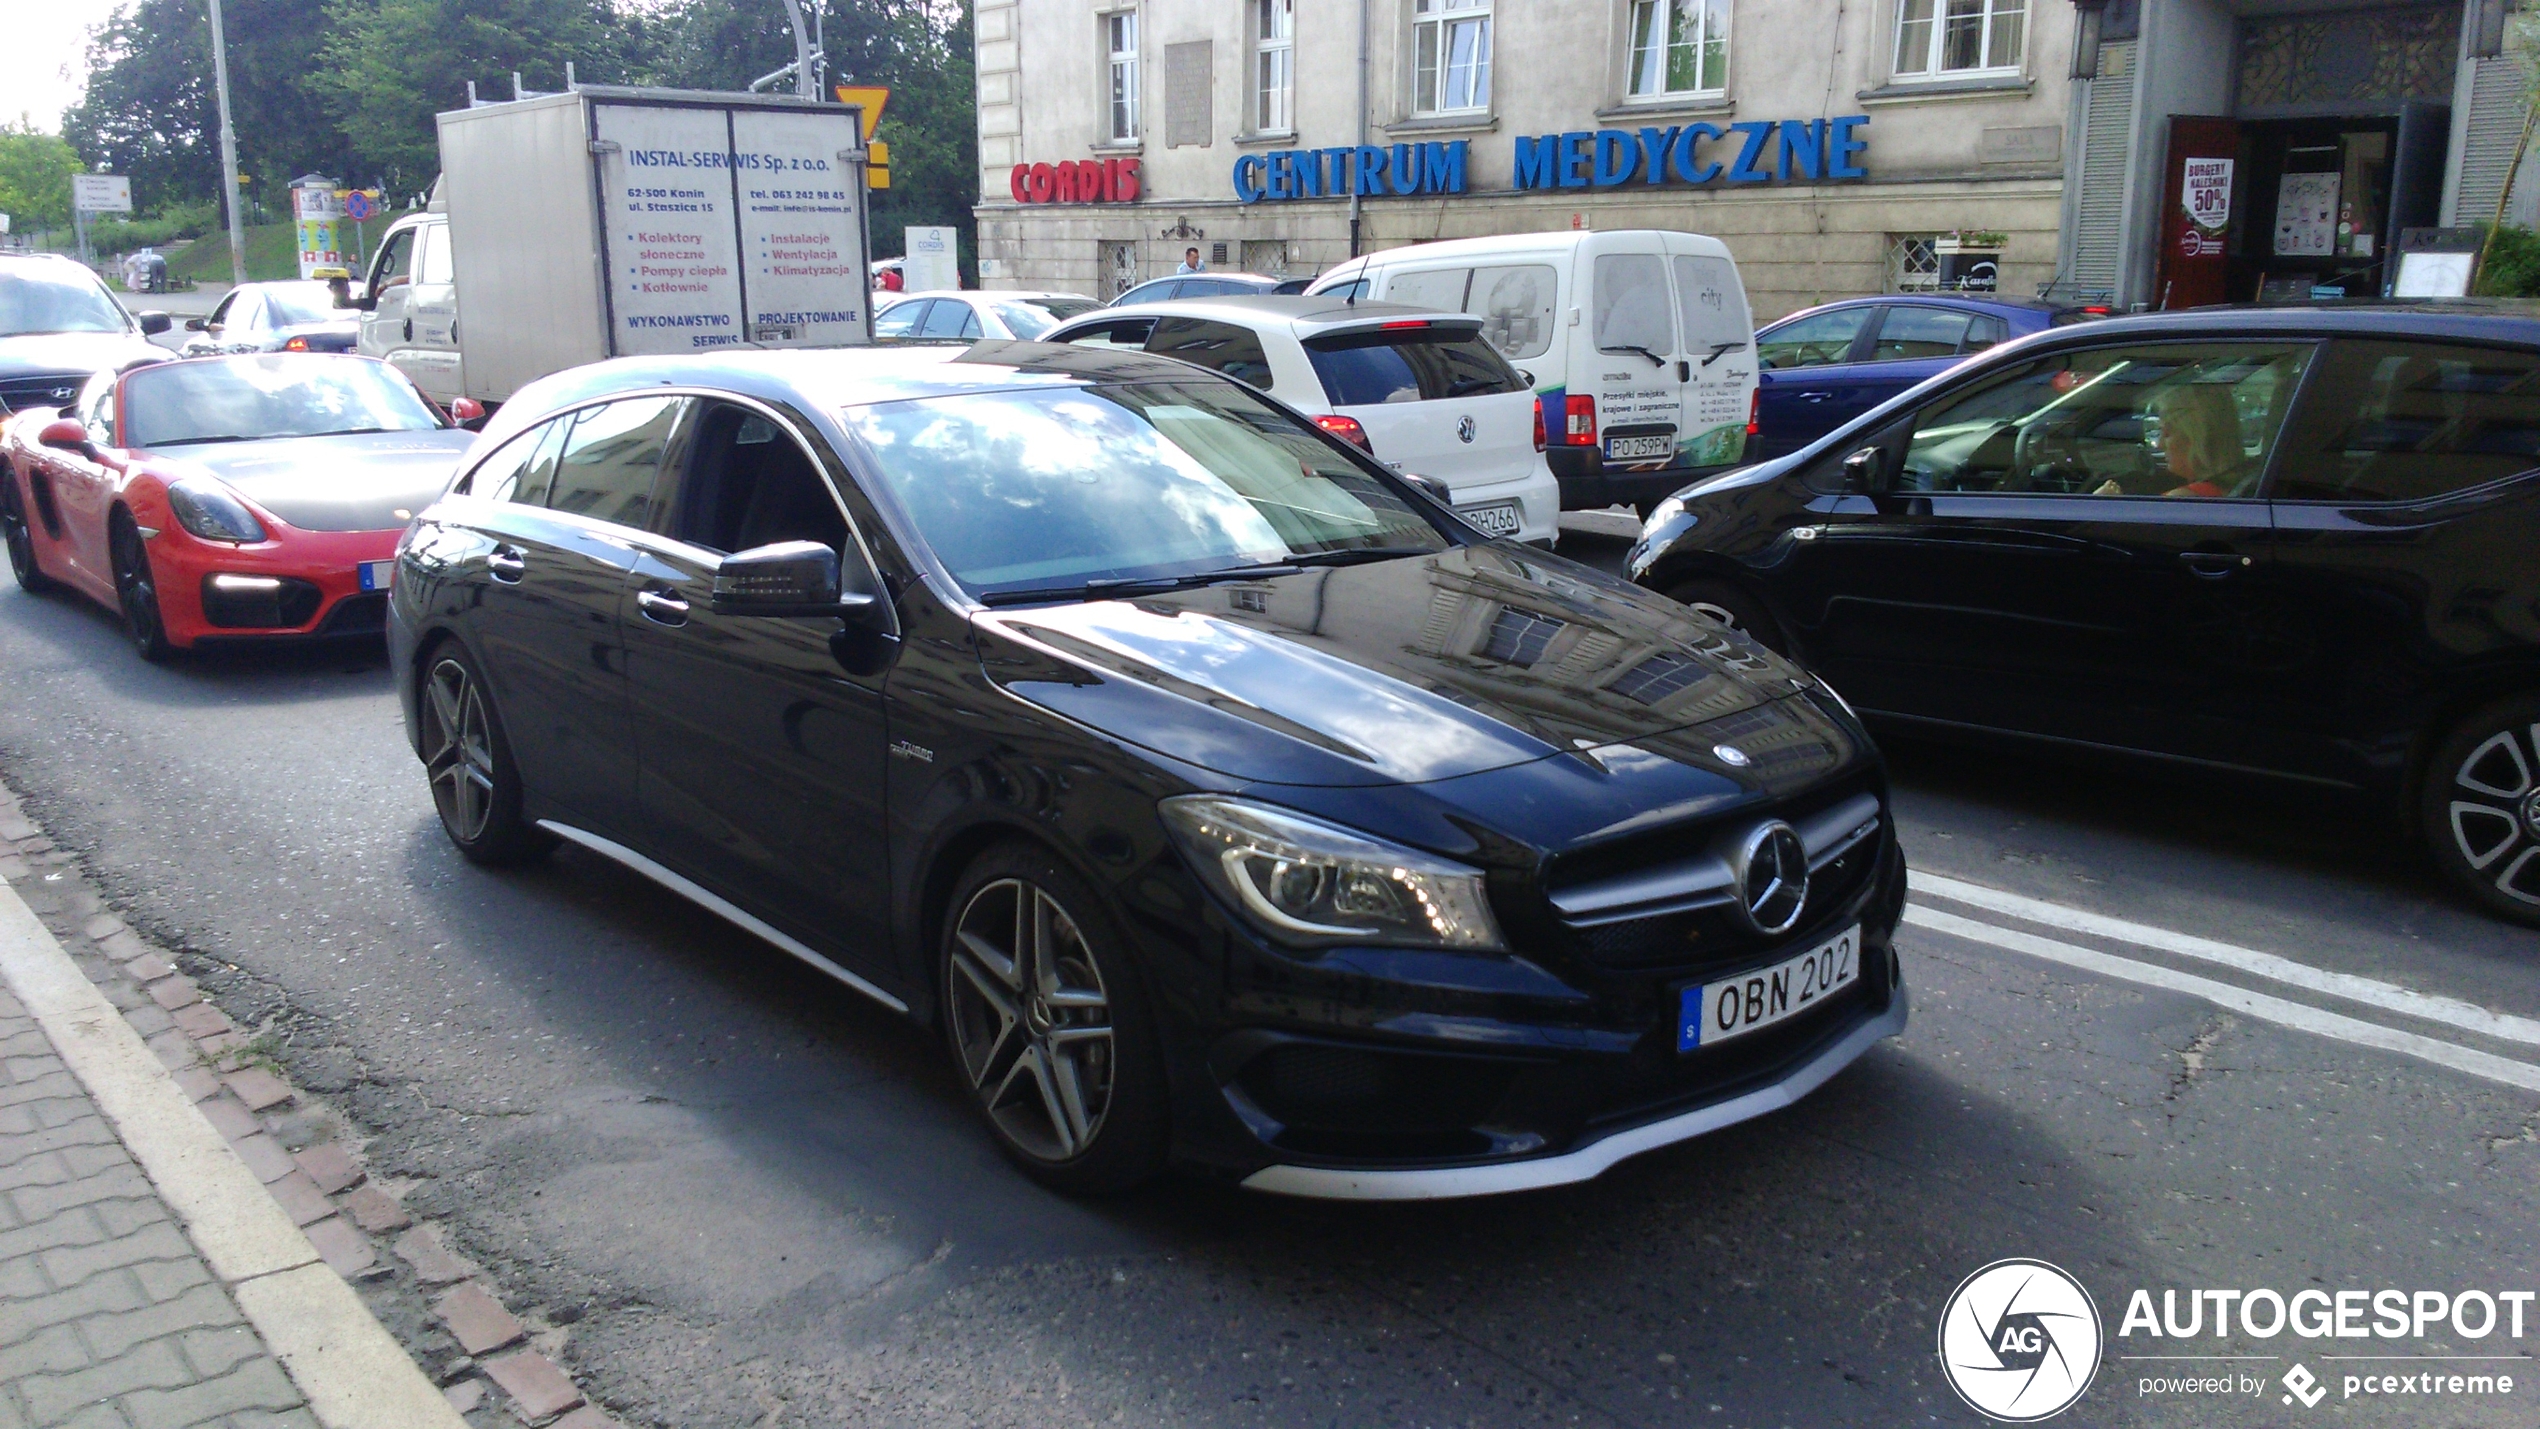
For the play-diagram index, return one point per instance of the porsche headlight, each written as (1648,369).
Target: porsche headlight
(213,514)
(1311,884)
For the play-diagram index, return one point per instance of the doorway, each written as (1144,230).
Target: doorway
(2319,202)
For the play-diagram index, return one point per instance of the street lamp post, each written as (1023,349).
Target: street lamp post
(228,151)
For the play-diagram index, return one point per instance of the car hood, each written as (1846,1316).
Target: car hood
(370,481)
(81,352)
(1428,668)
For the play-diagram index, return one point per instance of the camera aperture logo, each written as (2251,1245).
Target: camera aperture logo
(2019,1341)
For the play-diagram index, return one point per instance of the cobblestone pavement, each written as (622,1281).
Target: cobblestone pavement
(109,1319)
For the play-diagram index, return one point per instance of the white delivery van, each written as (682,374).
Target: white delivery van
(410,304)
(1637,343)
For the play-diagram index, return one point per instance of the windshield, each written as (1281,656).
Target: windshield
(248,398)
(293,304)
(1024,490)
(35,301)
(1031,317)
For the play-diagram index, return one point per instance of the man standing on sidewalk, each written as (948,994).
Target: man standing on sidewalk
(1190,263)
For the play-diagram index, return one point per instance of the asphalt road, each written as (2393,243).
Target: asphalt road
(759,1200)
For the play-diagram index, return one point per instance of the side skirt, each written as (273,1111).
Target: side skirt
(710,902)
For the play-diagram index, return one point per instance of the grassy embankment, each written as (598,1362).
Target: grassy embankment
(270,255)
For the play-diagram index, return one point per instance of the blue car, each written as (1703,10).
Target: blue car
(1826,365)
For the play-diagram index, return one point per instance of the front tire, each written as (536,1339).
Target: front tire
(2480,808)
(475,783)
(1047,1025)
(137,590)
(20,539)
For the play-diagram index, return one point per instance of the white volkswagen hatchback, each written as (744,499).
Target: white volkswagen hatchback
(1418,387)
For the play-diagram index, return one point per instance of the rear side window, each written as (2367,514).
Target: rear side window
(1221,347)
(611,458)
(525,466)
(901,319)
(1372,368)
(1910,332)
(1633,308)
(1120,335)
(1514,302)
(1710,304)
(2404,421)
(432,260)
(1434,288)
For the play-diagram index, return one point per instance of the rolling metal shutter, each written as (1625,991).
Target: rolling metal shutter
(2495,126)
(2106,144)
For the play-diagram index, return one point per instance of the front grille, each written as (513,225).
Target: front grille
(39,389)
(1691,940)
(365,614)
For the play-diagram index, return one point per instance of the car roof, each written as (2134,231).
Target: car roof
(1969,302)
(1302,314)
(991,295)
(2468,319)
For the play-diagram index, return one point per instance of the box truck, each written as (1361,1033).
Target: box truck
(606,222)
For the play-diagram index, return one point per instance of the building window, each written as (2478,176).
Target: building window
(1912,266)
(1451,42)
(1274,67)
(1940,38)
(1120,36)
(1679,47)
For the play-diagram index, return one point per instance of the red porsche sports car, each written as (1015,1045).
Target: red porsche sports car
(226,497)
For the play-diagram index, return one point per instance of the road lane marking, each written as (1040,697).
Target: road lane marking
(2390,997)
(2300,1016)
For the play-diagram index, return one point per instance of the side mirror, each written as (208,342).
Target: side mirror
(154,322)
(1431,487)
(1865,471)
(468,413)
(198,324)
(67,434)
(788,578)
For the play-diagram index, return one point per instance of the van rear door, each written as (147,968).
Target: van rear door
(1719,357)
(1635,365)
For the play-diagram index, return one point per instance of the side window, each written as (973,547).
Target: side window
(1710,304)
(249,316)
(1122,335)
(432,258)
(1633,310)
(748,484)
(610,460)
(1984,332)
(390,268)
(1354,288)
(2404,421)
(902,318)
(2176,420)
(1224,347)
(945,319)
(522,470)
(1435,288)
(1911,332)
(1515,305)
(221,311)
(970,322)
(96,408)
(1815,341)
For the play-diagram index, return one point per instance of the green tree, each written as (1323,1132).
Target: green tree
(35,177)
(390,65)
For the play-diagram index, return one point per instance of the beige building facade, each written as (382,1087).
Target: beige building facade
(1839,147)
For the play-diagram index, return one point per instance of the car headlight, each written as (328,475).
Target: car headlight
(1835,695)
(213,514)
(1312,884)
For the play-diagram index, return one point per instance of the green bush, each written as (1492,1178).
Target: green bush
(2512,269)
(108,237)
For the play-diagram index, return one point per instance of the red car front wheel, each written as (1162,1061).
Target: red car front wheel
(138,592)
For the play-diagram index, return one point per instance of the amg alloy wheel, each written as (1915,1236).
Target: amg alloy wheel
(475,786)
(2481,807)
(137,591)
(1034,1006)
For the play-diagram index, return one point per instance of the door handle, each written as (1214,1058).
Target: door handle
(1816,396)
(662,607)
(507,564)
(410,329)
(2213,565)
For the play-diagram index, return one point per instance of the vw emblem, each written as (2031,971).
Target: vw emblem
(1464,430)
(1771,865)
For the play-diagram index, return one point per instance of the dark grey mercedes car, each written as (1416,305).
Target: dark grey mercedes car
(1217,795)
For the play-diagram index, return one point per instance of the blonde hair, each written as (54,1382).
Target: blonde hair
(2201,418)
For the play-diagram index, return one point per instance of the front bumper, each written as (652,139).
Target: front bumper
(1594,1159)
(318,594)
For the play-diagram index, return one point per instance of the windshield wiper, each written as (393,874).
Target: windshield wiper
(1110,586)
(202,441)
(1654,358)
(1720,350)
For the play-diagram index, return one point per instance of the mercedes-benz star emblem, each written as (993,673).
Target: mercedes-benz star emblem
(1464,430)
(1772,877)
(1731,755)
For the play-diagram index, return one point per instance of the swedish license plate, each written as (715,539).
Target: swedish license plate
(378,575)
(1500,518)
(1714,1012)
(1629,448)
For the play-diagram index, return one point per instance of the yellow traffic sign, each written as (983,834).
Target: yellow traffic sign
(872,97)
(877,165)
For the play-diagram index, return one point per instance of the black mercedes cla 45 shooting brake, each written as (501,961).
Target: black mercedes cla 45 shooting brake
(1217,796)
(2295,542)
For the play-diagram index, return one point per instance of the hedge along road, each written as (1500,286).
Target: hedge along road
(758,1198)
